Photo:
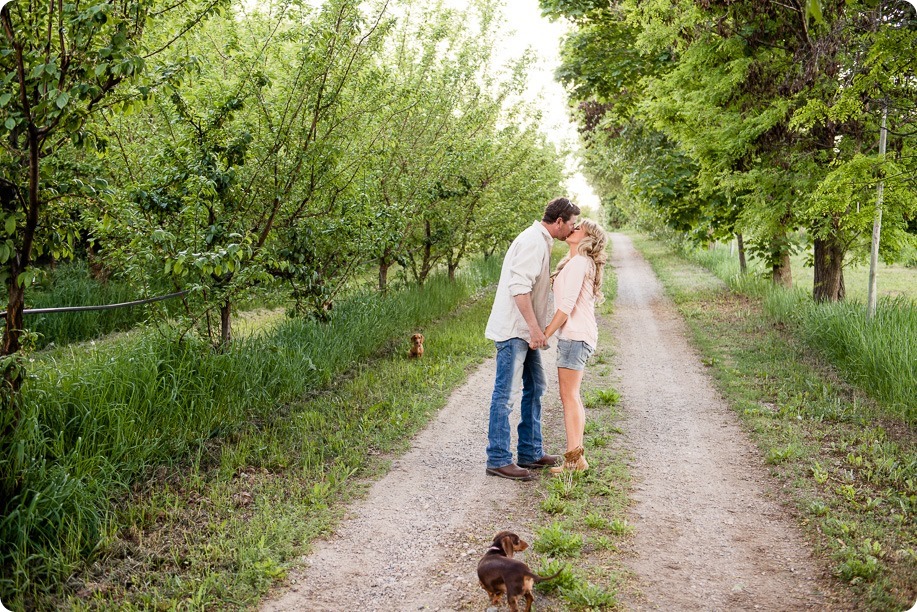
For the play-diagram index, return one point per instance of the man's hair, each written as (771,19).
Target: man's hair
(559,208)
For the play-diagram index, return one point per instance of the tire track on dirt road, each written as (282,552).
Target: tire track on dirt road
(413,543)
(707,534)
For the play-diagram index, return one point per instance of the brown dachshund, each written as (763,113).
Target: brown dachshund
(499,573)
(416,346)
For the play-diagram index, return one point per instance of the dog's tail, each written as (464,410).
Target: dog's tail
(538,578)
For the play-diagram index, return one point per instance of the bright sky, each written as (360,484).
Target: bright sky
(525,27)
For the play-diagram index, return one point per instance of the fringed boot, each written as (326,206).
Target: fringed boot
(574,461)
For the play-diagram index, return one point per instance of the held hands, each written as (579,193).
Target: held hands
(539,340)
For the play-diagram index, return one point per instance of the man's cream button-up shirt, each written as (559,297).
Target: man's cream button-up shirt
(526,269)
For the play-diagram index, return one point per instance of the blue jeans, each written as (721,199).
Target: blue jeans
(518,370)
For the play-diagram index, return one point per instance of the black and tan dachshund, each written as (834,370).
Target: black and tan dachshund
(499,573)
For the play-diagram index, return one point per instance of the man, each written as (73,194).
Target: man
(516,324)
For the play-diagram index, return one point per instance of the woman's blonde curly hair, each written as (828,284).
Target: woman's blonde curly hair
(592,246)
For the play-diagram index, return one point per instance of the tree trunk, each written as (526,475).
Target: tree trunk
(453,267)
(12,375)
(743,266)
(383,274)
(781,271)
(97,269)
(225,324)
(829,270)
(14,308)
(426,265)
(12,372)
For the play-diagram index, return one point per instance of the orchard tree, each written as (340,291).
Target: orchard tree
(770,101)
(491,141)
(258,136)
(434,61)
(873,73)
(62,64)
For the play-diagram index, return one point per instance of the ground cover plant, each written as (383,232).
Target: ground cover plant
(156,421)
(846,462)
(583,519)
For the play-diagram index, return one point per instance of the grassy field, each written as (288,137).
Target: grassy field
(219,535)
(879,355)
(892,281)
(846,462)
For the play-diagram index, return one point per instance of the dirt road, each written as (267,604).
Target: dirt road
(707,536)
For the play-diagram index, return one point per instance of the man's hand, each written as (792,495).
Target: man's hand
(524,304)
(539,340)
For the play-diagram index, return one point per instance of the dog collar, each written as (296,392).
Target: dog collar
(497,549)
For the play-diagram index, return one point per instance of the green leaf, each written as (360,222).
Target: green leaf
(10,225)
(5,99)
(62,100)
(813,11)
(10,123)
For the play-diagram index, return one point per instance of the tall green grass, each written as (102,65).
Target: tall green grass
(96,418)
(878,355)
(70,284)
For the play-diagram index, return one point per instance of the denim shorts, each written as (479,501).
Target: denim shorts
(572,354)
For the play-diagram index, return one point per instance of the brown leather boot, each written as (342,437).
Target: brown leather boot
(574,461)
(546,461)
(511,471)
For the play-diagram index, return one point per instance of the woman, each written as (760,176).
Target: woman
(577,291)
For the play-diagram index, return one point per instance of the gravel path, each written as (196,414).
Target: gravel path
(707,535)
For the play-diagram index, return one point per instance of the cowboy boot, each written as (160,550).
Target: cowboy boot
(574,461)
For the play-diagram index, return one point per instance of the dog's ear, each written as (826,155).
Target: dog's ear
(508,545)
(420,337)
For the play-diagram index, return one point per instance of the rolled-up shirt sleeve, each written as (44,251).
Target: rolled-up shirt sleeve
(525,266)
(574,275)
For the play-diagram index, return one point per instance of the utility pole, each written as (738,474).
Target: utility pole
(877,223)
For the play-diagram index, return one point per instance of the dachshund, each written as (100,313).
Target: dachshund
(499,573)
(416,346)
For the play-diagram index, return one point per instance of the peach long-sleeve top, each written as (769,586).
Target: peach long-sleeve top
(574,295)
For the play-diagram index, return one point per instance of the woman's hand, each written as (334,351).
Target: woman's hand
(560,317)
